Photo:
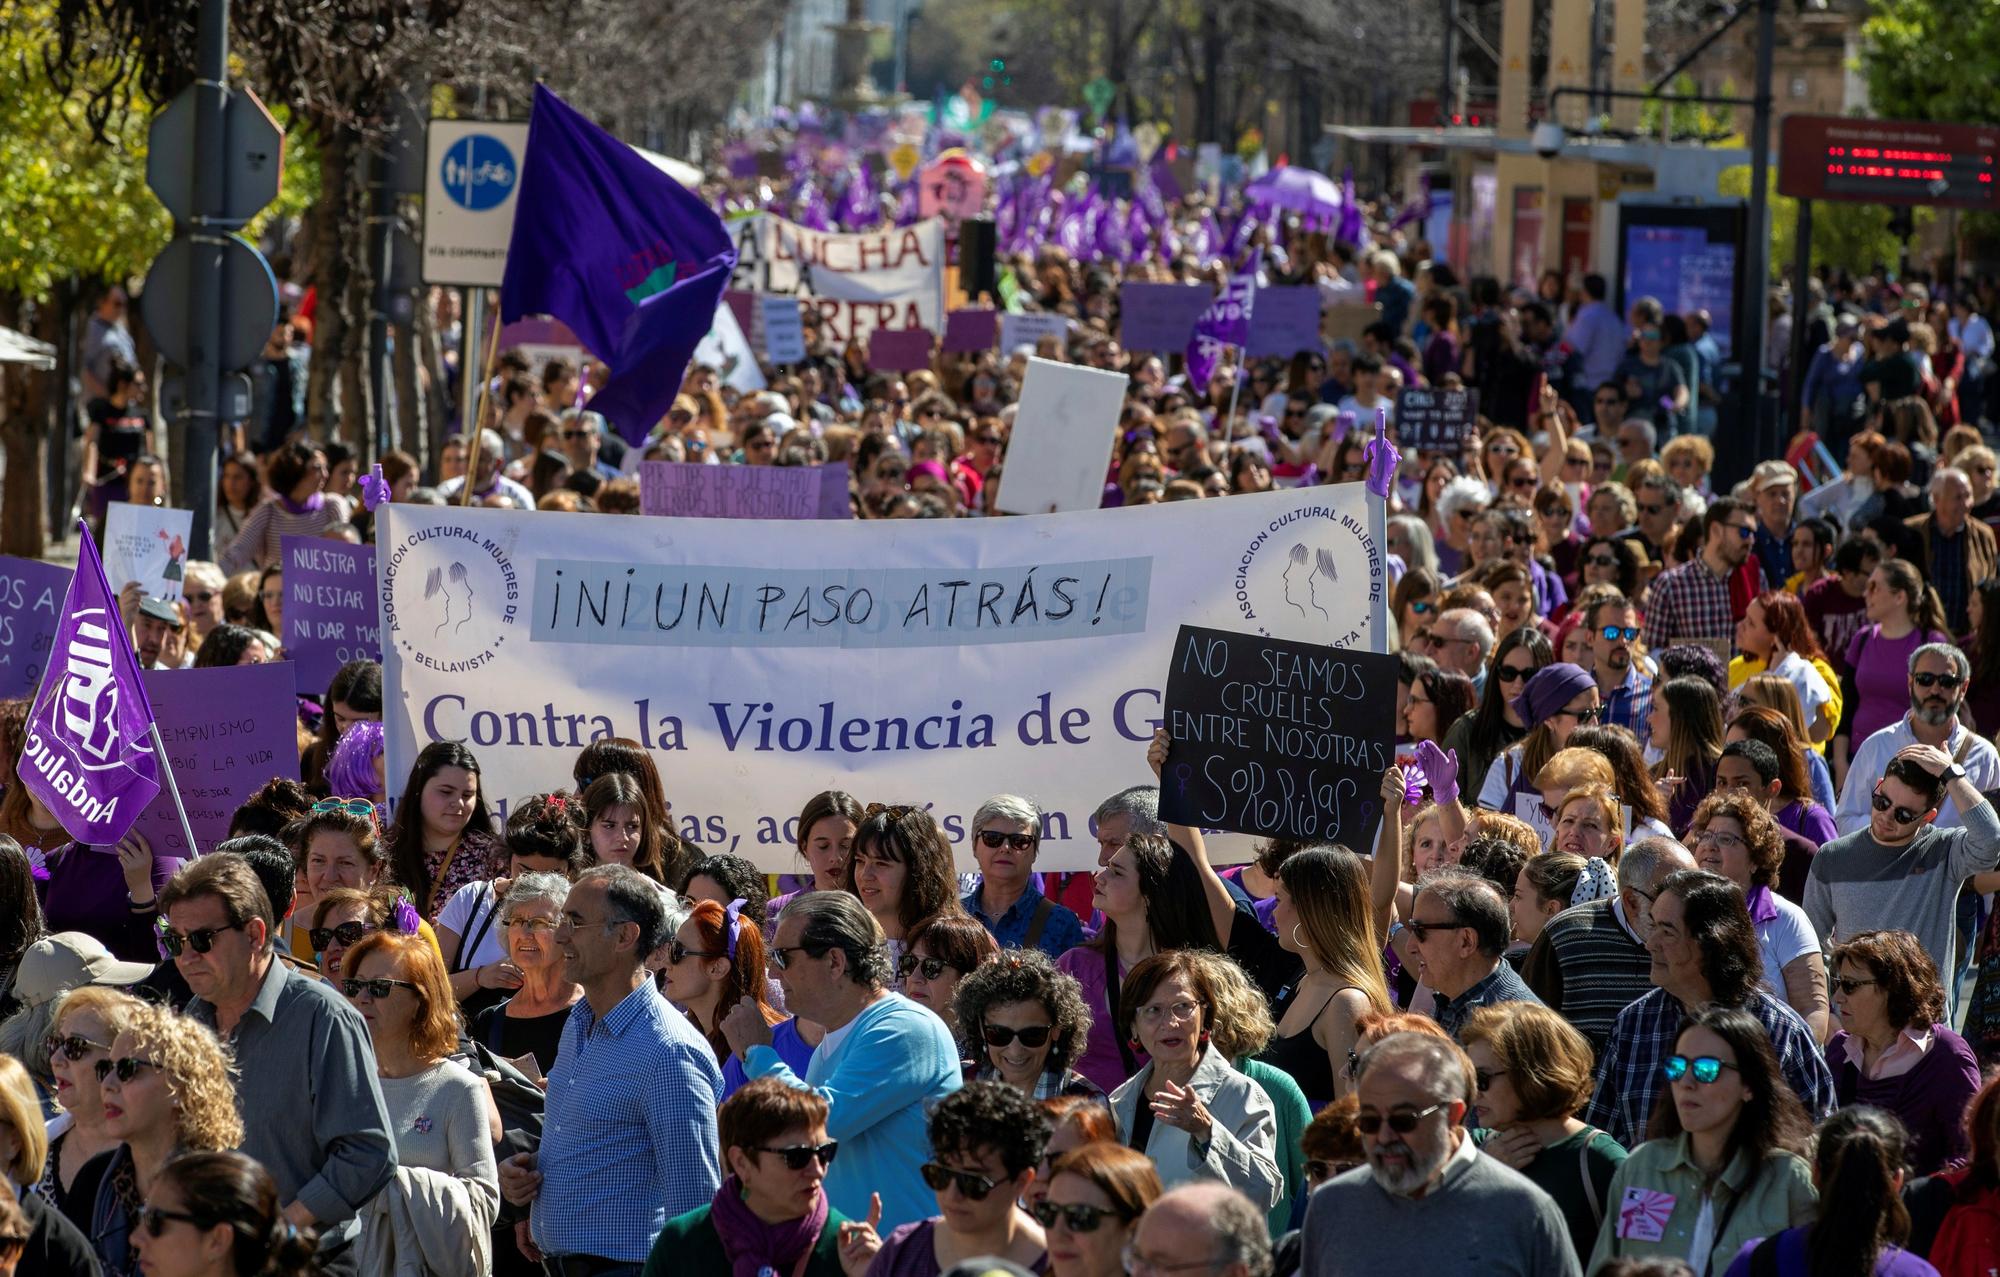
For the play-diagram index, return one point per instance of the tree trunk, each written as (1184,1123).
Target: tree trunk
(338,405)
(410,402)
(24,424)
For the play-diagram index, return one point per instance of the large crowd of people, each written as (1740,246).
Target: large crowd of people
(1670,956)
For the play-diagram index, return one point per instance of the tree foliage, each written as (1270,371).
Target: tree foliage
(1934,60)
(1855,237)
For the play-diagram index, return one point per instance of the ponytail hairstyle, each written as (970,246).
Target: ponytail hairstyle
(1861,1152)
(550,827)
(231,1189)
(1925,608)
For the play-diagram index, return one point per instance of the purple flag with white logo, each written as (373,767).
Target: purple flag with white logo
(1226,322)
(87,751)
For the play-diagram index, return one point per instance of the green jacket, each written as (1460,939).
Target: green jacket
(1766,1199)
(689,1246)
(1294,1114)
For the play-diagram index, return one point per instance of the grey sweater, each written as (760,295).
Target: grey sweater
(1857,884)
(1482,1217)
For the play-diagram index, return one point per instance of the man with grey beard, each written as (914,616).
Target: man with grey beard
(1939,679)
(1428,1201)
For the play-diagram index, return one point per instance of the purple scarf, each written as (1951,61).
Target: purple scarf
(310,505)
(754,1247)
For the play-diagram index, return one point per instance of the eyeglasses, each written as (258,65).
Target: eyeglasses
(1422,930)
(1137,1265)
(347,934)
(126,1068)
(1485,1078)
(1172,1012)
(202,599)
(678,953)
(201,941)
(1607,401)
(154,1220)
(376,988)
(1706,1068)
(352,806)
(1034,1037)
(1401,1123)
(1744,531)
(799,1156)
(1902,815)
(929,968)
(585,434)
(973,1188)
(993,840)
(1077,1217)
(1512,673)
(73,1046)
(1927,679)
(532,926)
(272,596)
(1728,842)
(1629,633)
(1651,507)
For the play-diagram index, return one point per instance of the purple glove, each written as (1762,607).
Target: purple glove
(1441,768)
(374,488)
(1413,783)
(1382,457)
(1342,423)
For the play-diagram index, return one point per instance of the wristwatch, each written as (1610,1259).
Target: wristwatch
(1954,772)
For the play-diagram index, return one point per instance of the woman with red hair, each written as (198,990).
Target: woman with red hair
(716,960)
(1774,632)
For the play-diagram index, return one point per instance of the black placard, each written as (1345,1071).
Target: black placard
(1435,420)
(1276,738)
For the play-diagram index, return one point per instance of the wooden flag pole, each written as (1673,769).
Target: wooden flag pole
(479,414)
(167,771)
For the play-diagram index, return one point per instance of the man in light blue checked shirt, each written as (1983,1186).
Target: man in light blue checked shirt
(628,1137)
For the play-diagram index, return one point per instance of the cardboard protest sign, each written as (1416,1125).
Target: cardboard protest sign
(970,329)
(1286,321)
(1160,318)
(891,277)
(227,730)
(1435,420)
(690,490)
(31,600)
(784,334)
(1028,330)
(331,613)
(147,544)
(1061,445)
(899,349)
(1277,738)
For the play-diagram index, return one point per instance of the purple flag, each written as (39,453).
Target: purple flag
(1226,322)
(1419,209)
(87,750)
(629,258)
(1350,209)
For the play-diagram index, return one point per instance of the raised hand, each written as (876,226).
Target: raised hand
(1441,768)
(859,1240)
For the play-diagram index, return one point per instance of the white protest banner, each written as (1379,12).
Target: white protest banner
(968,657)
(1026,329)
(1061,447)
(887,278)
(147,544)
(784,334)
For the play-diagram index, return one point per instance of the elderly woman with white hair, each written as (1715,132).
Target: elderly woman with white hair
(1006,838)
(201,598)
(530,1021)
(1458,505)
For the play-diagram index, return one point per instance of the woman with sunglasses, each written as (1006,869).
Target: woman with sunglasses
(902,871)
(1414,602)
(826,828)
(446,1190)
(1534,1073)
(1722,1158)
(1438,698)
(1494,724)
(1686,727)
(443,837)
(217,1215)
(343,915)
(530,1021)
(986,1140)
(86,1021)
(1025,1021)
(1732,834)
(166,1092)
(1895,1048)
(771,1214)
(1096,1195)
(544,836)
(944,950)
(716,960)
(1187,1108)
(1553,702)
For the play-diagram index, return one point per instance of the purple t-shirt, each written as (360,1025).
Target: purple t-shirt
(1882,676)
(1100,1061)
(911,1251)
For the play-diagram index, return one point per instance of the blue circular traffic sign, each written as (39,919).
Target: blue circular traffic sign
(479,172)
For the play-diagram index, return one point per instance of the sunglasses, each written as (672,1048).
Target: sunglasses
(1033,1037)
(973,1188)
(126,1069)
(201,941)
(352,806)
(780,956)
(1646,507)
(1485,1079)
(932,968)
(154,1220)
(1629,633)
(994,840)
(585,434)
(347,934)
(74,1046)
(1512,673)
(1077,1217)
(1847,984)
(1743,530)
(1946,681)
(376,988)
(1584,715)
(1602,561)
(1706,1068)
(1525,481)
(799,1156)
(1902,815)
(1422,931)
(678,953)
(1422,607)
(204,598)
(1400,1123)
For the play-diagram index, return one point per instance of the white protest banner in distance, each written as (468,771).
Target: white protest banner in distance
(887,278)
(761,666)
(1063,431)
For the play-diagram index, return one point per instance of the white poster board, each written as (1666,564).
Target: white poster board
(783,330)
(1060,449)
(147,544)
(471,176)
(1028,329)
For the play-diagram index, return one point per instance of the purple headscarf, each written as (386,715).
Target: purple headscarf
(1549,689)
(350,773)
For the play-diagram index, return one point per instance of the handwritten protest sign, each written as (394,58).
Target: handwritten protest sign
(1160,317)
(1286,321)
(1028,330)
(1436,420)
(691,490)
(147,544)
(892,277)
(331,615)
(227,730)
(1061,446)
(1276,738)
(31,599)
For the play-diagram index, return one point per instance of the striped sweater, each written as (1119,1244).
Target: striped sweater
(1588,966)
(258,544)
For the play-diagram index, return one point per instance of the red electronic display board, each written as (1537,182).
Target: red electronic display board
(1833,157)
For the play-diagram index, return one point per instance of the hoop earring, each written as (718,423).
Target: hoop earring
(1295,936)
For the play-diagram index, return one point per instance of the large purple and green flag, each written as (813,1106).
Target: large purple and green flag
(87,752)
(634,262)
